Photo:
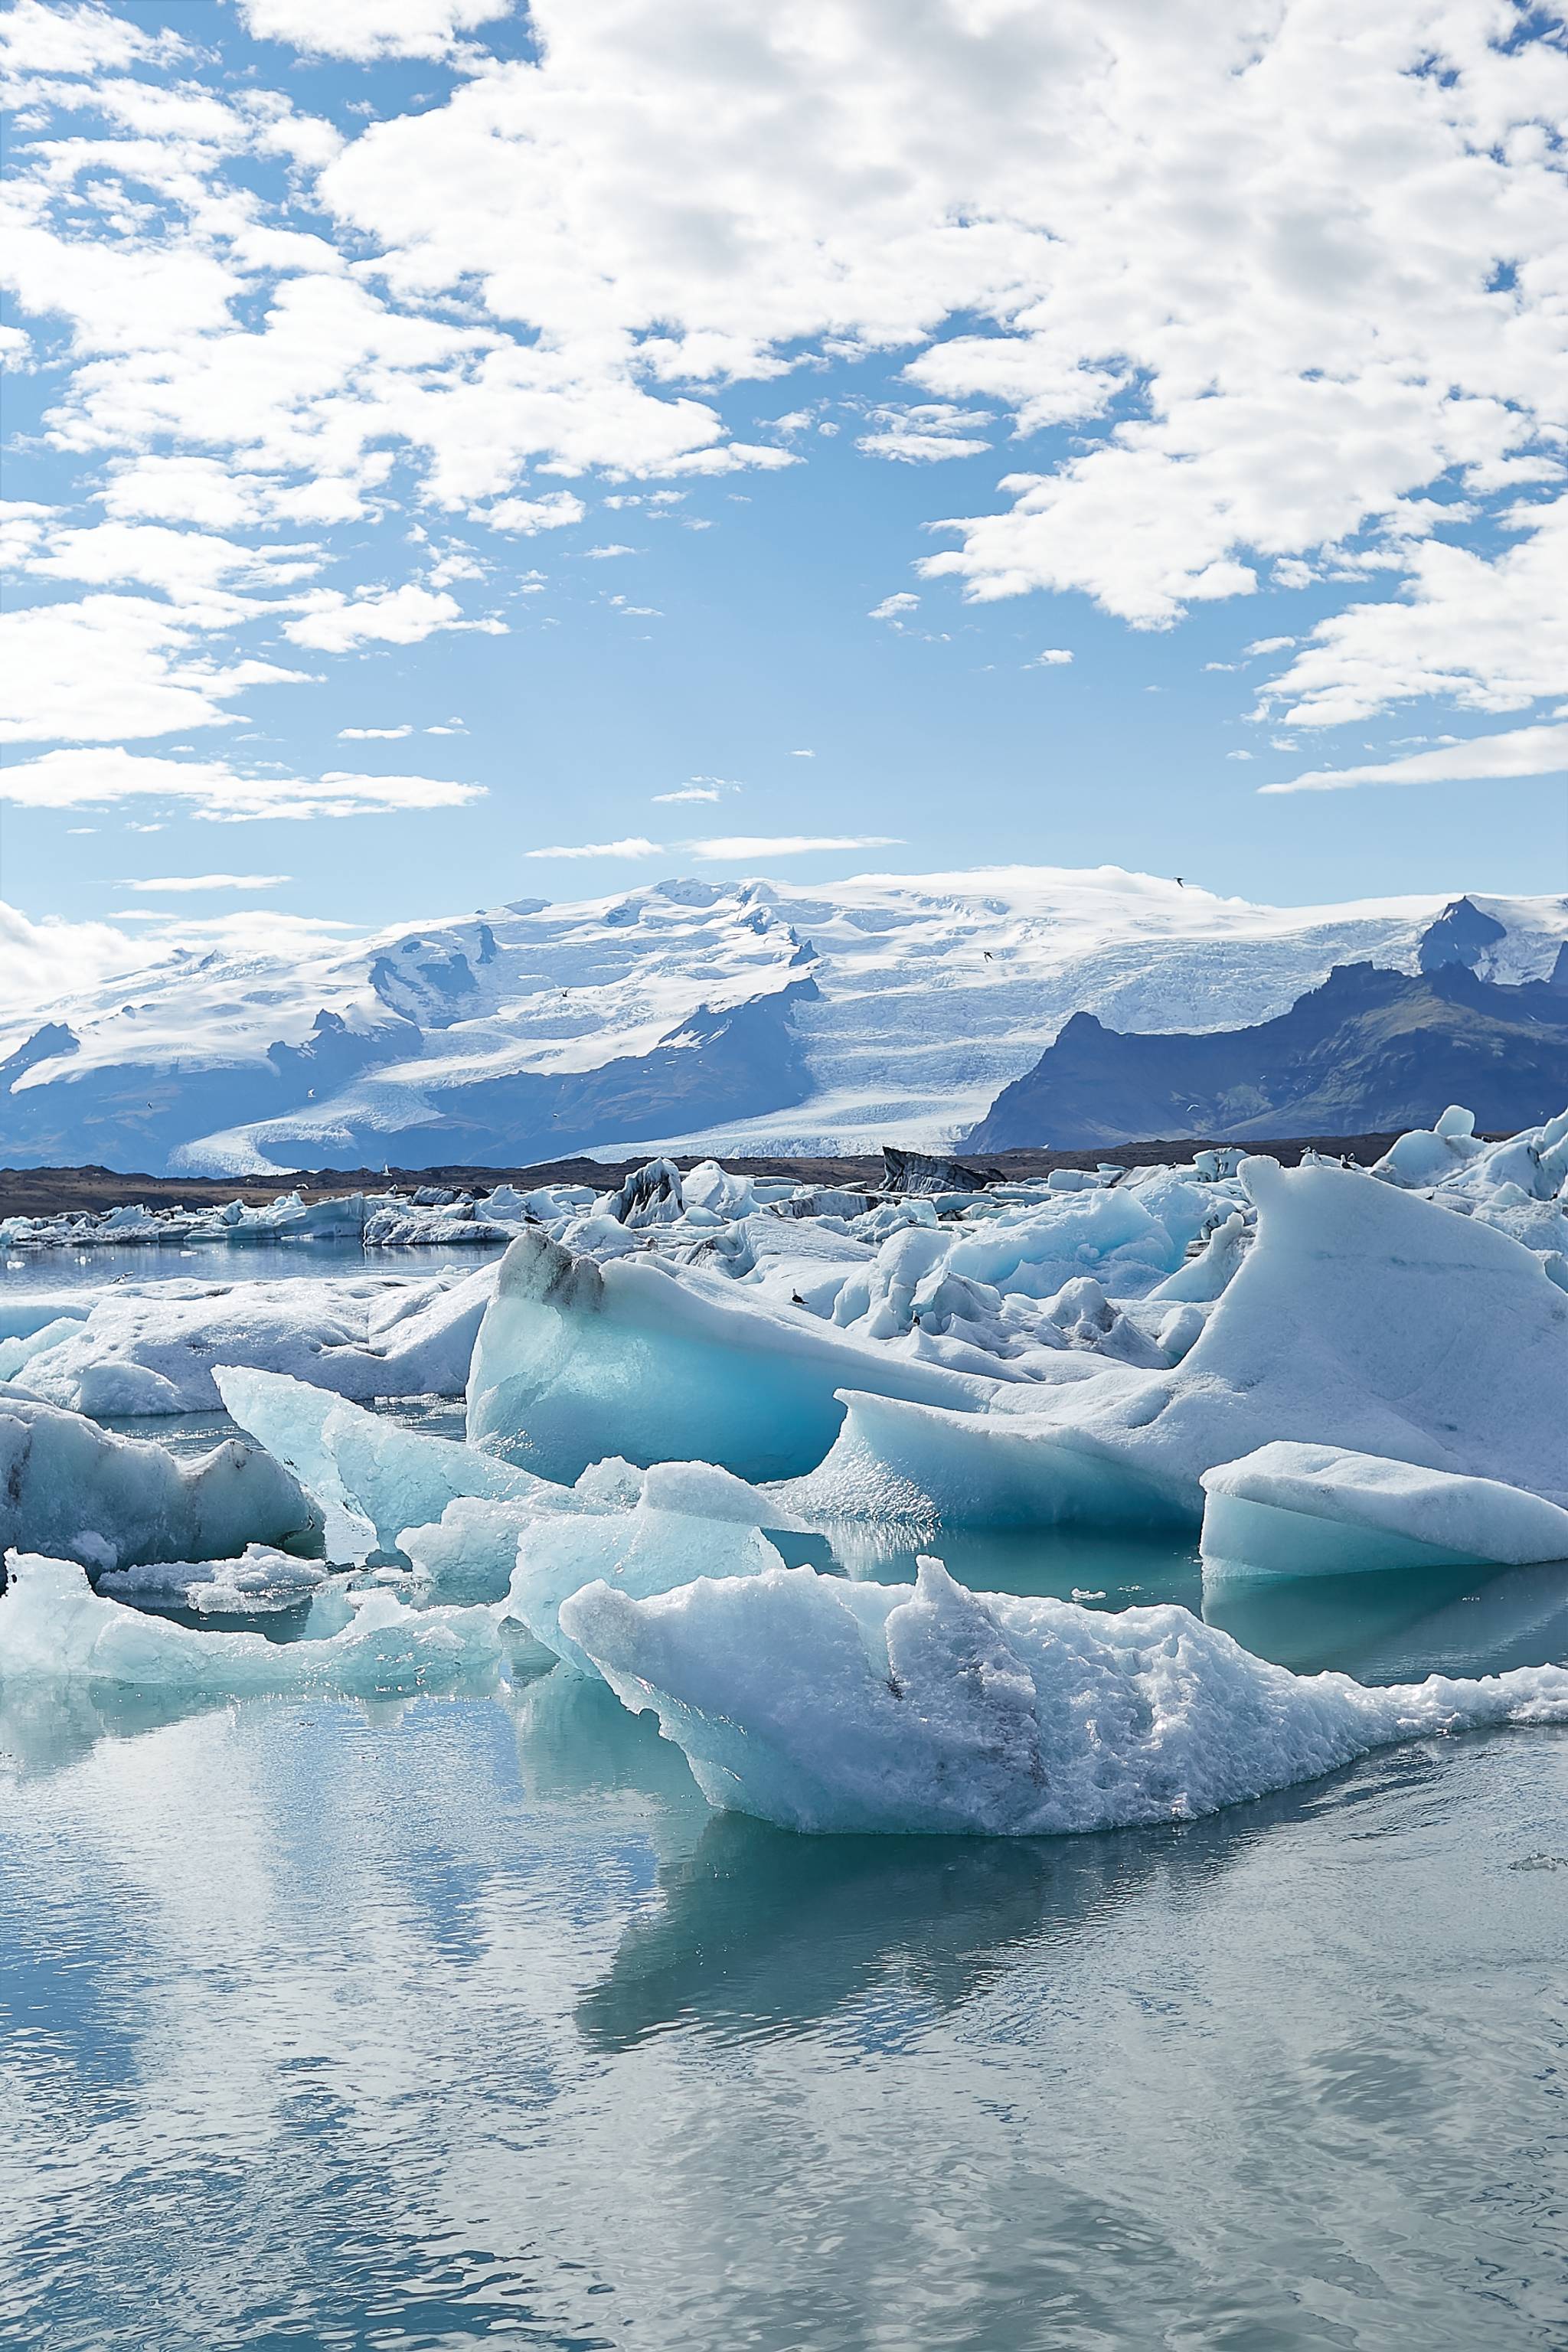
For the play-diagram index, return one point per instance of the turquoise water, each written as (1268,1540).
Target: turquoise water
(465,2022)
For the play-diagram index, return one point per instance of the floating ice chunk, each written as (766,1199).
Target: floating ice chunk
(574,1358)
(16,1353)
(930,1467)
(358,1461)
(259,1581)
(115,1502)
(640,1552)
(1319,1510)
(826,1706)
(469,1553)
(1363,1317)
(152,1349)
(1431,1155)
(1035,1250)
(651,1196)
(1205,1276)
(52,1624)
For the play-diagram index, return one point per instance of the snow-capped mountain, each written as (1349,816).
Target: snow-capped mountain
(721,1016)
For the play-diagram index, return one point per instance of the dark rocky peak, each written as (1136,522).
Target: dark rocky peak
(43,1045)
(1461,934)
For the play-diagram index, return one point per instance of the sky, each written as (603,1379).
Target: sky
(457,451)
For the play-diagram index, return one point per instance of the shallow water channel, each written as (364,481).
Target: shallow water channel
(465,2021)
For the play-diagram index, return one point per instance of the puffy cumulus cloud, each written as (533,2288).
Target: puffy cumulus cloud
(217,792)
(370,29)
(1520,751)
(1053,657)
(1488,633)
(42,37)
(1284,268)
(553,511)
(110,668)
(44,964)
(395,617)
(893,608)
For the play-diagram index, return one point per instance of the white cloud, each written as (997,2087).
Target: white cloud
(1238,755)
(211,882)
(893,608)
(335,622)
(924,433)
(551,512)
(370,29)
(1521,751)
(1256,250)
(110,668)
(78,779)
(44,964)
(598,554)
(633,846)
(1053,657)
(1485,634)
(35,38)
(803,755)
(784,844)
(384,734)
(688,792)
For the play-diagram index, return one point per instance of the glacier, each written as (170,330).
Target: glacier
(752,1016)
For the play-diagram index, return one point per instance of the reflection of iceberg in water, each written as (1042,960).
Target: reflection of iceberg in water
(1400,1625)
(762,1932)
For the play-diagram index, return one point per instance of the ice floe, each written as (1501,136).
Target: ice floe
(73,1489)
(53,1625)
(1296,1510)
(826,1706)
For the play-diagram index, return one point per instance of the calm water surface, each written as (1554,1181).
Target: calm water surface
(465,2022)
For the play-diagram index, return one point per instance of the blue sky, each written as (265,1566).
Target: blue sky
(1091,440)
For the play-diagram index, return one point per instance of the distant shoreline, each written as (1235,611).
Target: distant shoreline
(54,1191)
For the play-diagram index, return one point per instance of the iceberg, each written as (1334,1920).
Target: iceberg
(1362,1316)
(643,1552)
(260,1581)
(824,1705)
(574,1358)
(75,1490)
(54,1626)
(1321,1510)
(360,1463)
(152,1349)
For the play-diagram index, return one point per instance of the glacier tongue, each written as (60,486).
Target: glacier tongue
(823,1706)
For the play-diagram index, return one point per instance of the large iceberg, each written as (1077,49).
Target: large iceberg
(1322,1510)
(575,1360)
(1362,1317)
(54,1626)
(72,1489)
(826,1706)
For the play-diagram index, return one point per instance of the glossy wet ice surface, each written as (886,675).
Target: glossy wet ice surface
(466,2022)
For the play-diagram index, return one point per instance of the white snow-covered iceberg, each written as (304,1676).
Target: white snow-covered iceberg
(822,1705)
(150,1349)
(575,1361)
(54,1626)
(75,1490)
(1321,1510)
(641,1551)
(1364,1318)
(260,1583)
